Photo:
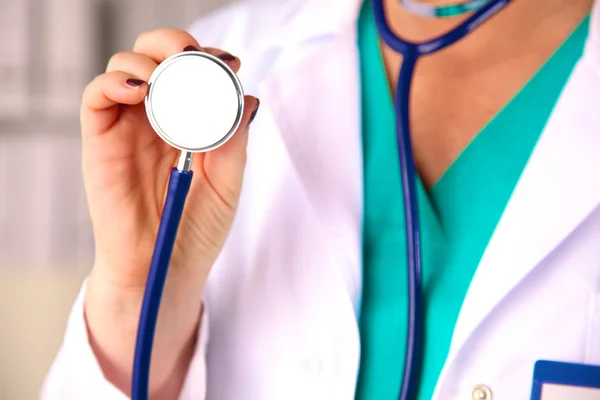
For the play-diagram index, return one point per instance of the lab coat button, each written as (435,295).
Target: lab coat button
(313,366)
(481,392)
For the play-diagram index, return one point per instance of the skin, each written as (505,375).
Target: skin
(468,83)
(126,167)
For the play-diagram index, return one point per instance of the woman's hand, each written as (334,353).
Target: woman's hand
(126,168)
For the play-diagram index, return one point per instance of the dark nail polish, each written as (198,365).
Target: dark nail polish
(226,57)
(191,48)
(254,112)
(134,83)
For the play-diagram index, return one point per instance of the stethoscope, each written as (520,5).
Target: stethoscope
(195,103)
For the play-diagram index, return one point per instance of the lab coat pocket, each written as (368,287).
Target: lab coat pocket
(593,335)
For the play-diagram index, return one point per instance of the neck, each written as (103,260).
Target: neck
(520,22)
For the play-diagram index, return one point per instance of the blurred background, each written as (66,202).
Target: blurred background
(49,50)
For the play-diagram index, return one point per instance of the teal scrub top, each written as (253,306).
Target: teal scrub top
(457,215)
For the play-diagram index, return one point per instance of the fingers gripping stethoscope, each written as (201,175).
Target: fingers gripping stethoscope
(195,103)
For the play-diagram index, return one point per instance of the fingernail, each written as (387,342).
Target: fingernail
(227,57)
(191,48)
(254,112)
(134,83)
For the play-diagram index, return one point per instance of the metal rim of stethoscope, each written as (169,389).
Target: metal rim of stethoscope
(150,110)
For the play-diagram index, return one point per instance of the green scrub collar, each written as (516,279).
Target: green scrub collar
(449,10)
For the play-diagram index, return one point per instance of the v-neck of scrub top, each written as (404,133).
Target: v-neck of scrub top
(458,215)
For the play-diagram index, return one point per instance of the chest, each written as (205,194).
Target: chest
(454,97)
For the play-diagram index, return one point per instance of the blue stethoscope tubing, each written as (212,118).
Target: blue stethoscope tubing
(411,52)
(179,185)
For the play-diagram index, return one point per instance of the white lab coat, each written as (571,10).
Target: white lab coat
(282,299)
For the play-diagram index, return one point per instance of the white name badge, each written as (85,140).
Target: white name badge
(554,380)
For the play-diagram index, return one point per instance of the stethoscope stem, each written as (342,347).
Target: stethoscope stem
(185,161)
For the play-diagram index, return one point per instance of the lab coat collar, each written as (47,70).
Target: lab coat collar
(310,19)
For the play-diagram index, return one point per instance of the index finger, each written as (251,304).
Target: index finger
(160,44)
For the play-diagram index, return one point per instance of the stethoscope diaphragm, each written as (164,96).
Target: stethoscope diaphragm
(195,101)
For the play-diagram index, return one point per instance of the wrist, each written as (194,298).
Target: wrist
(114,311)
(122,297)
(112,315)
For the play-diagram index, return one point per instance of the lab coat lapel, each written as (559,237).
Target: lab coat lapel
(315,102)
(559,188)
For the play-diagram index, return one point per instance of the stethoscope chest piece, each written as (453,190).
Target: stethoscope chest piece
(195,101)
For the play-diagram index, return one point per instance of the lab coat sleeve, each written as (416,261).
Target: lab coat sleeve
(76,374)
